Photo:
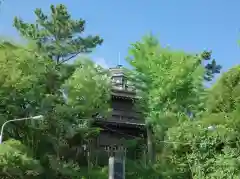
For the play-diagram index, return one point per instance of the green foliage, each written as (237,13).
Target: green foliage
(170,85)
(57,34)
(16,161)
(87,80)
(192,148)
(170,82)
(21,92)
(21,63)
(30,85)
(141,170)
(211,67)
(208,146)
(35,80)
(224,96)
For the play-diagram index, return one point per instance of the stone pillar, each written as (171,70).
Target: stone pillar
(117,164)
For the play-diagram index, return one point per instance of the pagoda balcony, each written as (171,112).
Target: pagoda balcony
(122,118)
(123,91)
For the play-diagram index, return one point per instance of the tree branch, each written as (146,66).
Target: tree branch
(67,59)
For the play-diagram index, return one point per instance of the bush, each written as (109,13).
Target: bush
(17,162)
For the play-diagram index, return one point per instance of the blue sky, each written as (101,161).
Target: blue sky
(188,25)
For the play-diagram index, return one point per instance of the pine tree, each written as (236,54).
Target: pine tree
(57,34)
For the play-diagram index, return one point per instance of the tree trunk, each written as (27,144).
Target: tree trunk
(150,144)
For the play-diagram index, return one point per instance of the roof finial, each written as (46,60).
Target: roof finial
(119,60)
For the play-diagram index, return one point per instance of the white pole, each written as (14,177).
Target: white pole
(13,120)
(116,165)
(111,168)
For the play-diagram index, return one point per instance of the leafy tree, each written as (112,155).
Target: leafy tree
(211,66)
(68,95)
(162,70)
(88,76)
(169,82)
(17,162)
(35,80)
(21,87)
(224,96)
(24,91)
(208,146)
(202,152)
(57,34)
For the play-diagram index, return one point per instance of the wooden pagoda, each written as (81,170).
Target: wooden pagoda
(125,122)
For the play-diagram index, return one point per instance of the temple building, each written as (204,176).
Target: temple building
(125,124)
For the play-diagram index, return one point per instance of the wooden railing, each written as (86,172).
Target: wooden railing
(129,114)
(122,86)
(121,120)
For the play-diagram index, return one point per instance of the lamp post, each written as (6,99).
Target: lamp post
(211,128)
(13,120)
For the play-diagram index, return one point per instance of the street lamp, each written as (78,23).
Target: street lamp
(13,120)
(211,128)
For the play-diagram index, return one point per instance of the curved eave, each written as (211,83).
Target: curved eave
(124,94)
(123,124)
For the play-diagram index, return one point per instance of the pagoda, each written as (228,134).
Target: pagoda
(125,122)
